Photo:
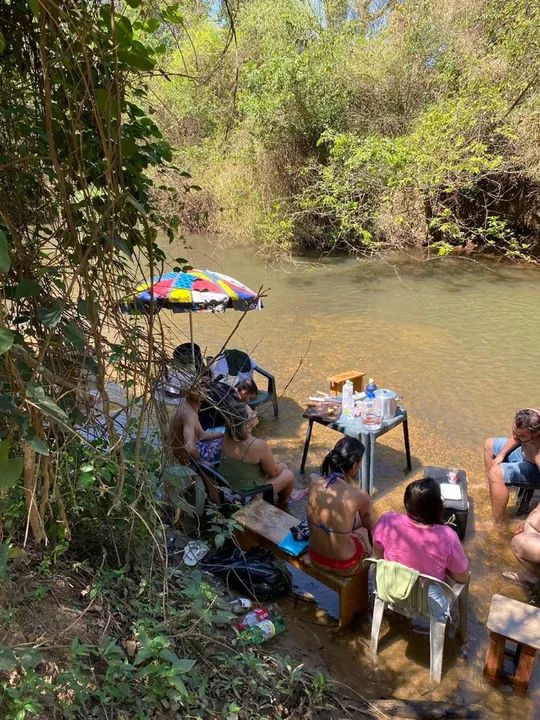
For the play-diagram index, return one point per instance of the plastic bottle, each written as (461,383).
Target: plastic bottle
(262,631)
(240,605)
(347,399)
(372,410)
(370,389)
(253,618)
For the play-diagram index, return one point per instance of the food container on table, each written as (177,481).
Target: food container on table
(388,399)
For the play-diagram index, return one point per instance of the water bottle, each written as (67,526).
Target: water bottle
(370,389)
(347,399)
(262,631)
(253,618)
(371,411)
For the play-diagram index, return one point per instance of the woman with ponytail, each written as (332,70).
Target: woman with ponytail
(339,513)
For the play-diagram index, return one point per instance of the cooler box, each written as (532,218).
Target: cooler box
(455,498)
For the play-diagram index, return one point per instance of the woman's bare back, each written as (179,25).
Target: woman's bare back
(333,515)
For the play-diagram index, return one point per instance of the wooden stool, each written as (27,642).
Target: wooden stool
(519,623)
(337,381)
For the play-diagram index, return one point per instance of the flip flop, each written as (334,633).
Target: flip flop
(194,552)
(297,495)
(515,579)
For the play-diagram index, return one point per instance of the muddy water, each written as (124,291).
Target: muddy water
(459,340)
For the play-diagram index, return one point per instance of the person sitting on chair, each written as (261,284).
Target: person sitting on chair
(339,514)
(187,440)
(218,399)
(247,390)
(247,461)
(513,461)
(419,539)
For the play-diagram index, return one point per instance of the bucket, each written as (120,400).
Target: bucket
(388,400)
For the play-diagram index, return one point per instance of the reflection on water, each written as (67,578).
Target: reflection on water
(458,340)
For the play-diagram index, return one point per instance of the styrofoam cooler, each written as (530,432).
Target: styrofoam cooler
(456,511)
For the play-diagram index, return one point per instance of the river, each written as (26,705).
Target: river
(459,340)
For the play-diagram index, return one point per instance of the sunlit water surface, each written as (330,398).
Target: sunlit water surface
(459,340)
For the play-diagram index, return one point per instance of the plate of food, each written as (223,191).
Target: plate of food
(327,411)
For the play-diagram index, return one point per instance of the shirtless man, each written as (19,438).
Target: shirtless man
(339,512)
(513,461)
(526,547)
(185,431)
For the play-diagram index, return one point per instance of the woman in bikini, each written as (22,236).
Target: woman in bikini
(339,513)
(247,461)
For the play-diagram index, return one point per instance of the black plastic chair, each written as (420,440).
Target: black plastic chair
(219,490)
(238,361)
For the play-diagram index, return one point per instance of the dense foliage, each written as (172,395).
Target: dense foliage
(361,125)
(93,621)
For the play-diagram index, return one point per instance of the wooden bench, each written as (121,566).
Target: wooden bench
(520,623)
(266,525)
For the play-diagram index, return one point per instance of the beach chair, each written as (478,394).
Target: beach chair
(233,366)
(416,606)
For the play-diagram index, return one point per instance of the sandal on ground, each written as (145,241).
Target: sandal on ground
(515,579)
(194,551)
(297,495)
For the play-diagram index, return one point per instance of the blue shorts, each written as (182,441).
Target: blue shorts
(210,450)
(516,470)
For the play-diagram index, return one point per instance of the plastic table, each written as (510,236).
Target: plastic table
(353,427)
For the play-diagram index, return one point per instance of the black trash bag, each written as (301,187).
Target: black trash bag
(253,573)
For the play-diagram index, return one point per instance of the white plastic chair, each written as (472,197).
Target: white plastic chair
(416,606)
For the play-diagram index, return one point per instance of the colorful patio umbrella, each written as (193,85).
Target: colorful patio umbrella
(192,291)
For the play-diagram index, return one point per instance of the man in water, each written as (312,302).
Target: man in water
(513,461)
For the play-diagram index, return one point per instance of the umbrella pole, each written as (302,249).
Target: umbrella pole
(191,336)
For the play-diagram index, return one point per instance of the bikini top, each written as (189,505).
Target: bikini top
(332,479)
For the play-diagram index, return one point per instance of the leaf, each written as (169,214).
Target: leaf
(74,335)
(2,43)
(6,403)
(27,288)
(36,395)
(4,553)
(10,468)
(133,3)
(5,259)
(83,308)
(6,340)
(183,665)
(50,316)
(8,661)
(122,245)
(29,658)
(34,6)
(38,444)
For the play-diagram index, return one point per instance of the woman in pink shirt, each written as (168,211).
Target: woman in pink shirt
(419,539)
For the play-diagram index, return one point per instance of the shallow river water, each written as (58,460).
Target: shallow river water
(459,340)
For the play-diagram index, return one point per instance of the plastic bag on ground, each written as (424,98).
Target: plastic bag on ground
(252,572)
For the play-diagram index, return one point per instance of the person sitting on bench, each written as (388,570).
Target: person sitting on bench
(247,461)
(339,514)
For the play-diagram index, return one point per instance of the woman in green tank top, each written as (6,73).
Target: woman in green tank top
(247,461)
